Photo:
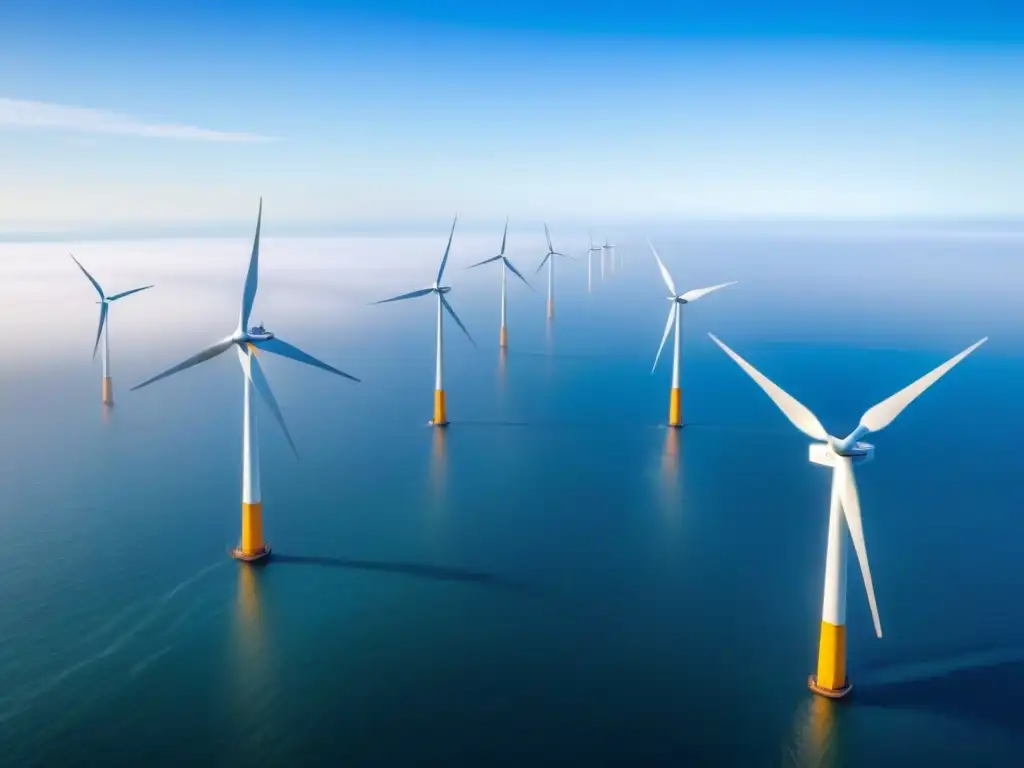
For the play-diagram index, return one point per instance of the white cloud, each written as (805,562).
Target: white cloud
(37,114)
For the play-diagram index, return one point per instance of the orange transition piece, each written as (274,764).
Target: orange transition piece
(253,547)
(108,391)
(551,308)
(440,413)
(503,337)
(831,680)
(675,407)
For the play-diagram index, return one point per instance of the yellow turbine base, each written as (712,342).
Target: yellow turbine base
(440,413)
(675,407)
(551,308)
(252,529)
(108,391)
(503,337)
(831,679)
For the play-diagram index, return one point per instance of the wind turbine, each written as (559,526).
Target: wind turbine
(551,271)
(590,253)
(607,248)
(506,265)
(440,411)
(675,314)
(842,456)
(107,388)
(247,343)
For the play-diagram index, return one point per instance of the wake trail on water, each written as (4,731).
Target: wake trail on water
(31,693)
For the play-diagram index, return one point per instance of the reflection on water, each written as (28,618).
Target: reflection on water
(502,370)
(250,695)
(439,464)
(814,735)
(671,482)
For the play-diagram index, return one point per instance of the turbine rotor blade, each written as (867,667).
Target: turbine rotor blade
(99,331)
(485,261)
(278,346)
(251,276)
(664,272)
(504,237)
(697,293)
(121,295)
(516,273)
(851,511)
(547,234)
(411,295)
(447,250)
(210,352)
(668,329)
(543,262)
(455,317)
(796,412)
(880,416)
(91,278)
(254,372)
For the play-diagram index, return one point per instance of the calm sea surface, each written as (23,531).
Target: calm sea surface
(557,578)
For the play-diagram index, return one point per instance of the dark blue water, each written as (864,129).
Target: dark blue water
(555,579)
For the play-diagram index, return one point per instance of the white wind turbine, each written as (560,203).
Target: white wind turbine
(506,266)
(107,387)
(607,248)
(842,455)
(440,406)
(590,254)
(675,314)
(550,261)
(246,343)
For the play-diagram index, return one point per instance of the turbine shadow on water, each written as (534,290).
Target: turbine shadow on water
(418,570)
(988,691)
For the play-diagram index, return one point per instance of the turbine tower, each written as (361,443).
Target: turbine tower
(842,456)
(590,254)
(247,343)
(551,271)
(440,407)
(107,387)
(506,266)
(675,314)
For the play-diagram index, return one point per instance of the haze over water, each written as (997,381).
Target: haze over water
(557,578)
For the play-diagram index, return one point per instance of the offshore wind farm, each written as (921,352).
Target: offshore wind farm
(547,571)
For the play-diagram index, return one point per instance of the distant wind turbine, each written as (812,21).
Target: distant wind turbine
(549,260)
(247,343)
(609,249)
(844,512)
(107,387)
(506,266)
(440,409)
(590,253)
(675,314)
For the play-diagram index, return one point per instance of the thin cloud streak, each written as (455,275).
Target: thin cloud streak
(18,113)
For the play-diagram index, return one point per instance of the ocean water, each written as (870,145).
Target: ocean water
(557,578)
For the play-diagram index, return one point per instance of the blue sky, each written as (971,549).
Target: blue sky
(116,113)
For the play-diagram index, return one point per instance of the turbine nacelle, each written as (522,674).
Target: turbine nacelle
(827,454)
(258,333)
